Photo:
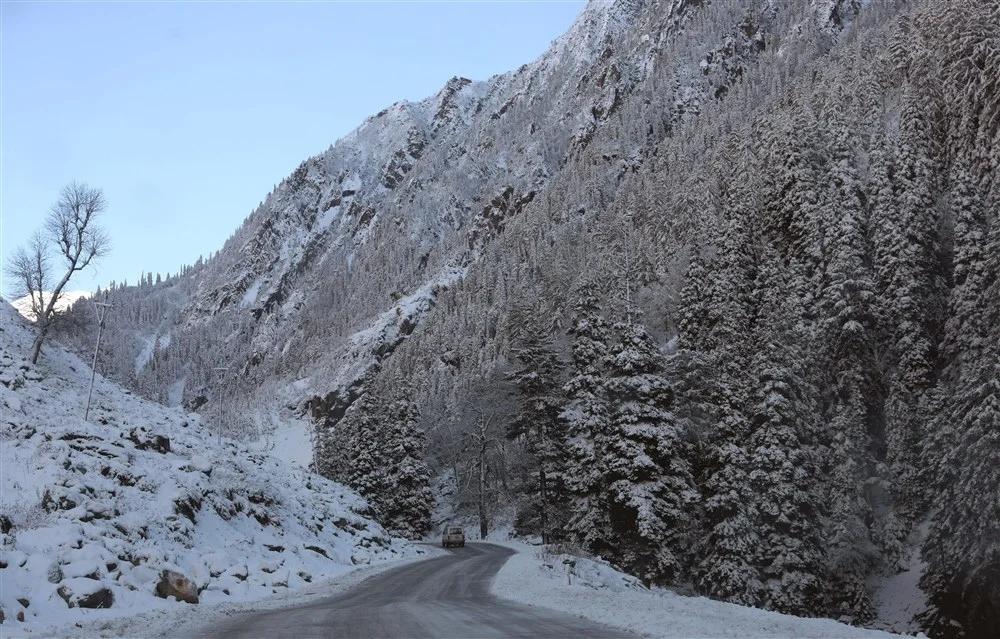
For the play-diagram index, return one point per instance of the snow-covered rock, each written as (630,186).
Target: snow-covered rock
(174,584)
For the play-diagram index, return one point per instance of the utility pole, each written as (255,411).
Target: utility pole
(220,370)
(102,312)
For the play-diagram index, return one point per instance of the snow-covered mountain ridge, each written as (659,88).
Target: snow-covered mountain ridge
(387,170)
(66,300)
(93,512)
(425,186)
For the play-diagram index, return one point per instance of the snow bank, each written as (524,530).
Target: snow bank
(594,590)
(93,512)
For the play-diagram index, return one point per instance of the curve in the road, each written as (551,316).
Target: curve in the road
(445,598)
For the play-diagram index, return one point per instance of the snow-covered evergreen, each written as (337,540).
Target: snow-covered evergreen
(538,426)
(379,450)
(587,422)
(650,491)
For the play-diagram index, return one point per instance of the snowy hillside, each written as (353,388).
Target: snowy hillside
(94,513)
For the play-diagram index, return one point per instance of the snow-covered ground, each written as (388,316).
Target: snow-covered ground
(598,592)
(288,440)
(93,512)
(898,598)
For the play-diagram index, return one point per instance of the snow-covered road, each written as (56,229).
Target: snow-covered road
(446,596)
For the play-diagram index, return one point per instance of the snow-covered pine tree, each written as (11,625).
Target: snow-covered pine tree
(407,504)
(725,567)
(699,396)
(785,474)
(961,345)
(694,317)
(848,336)
(909,279)
(537,424)
(585,416)
(785,479)
(650,491)
(962,549)
(794,217)
(358,451)
(378,450)
(783,452)
(331,442)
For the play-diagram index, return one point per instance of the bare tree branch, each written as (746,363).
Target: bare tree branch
(70,224)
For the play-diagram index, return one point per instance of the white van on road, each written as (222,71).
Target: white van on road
(453,536)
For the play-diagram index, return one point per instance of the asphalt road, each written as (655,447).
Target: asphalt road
(445,598)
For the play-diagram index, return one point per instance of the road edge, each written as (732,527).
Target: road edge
(201,619)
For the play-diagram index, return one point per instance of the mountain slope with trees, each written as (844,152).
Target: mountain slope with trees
(709,290)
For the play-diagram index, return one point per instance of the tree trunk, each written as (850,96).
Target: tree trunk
(41,333)
(545,504)
(483,530)
(502,470)
(45,319)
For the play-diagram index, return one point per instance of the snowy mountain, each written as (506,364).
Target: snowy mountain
(66,300)
(345,257)
(96,514)
(708,290)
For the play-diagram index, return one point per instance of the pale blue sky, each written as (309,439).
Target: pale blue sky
(186,114)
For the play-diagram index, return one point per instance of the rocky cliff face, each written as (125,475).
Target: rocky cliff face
(422,170)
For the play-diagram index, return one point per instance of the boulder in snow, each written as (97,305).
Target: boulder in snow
(156,443)
(85,593)
(174,584)
(54,573)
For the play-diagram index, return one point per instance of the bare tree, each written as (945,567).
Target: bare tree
(485,436)
(71,226)
(29,267)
